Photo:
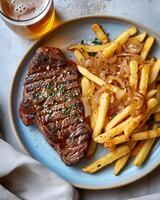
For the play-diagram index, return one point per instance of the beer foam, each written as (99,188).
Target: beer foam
(23,9)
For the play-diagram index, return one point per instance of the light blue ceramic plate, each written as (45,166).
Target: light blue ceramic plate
(31,139)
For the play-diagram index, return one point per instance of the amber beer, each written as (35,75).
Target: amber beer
(28,18)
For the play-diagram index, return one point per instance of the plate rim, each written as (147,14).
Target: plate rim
(19,66)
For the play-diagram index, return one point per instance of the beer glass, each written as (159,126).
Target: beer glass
(28,18)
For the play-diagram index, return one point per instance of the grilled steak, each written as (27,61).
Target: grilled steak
(51,101)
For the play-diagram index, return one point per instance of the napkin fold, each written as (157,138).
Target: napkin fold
(21,177)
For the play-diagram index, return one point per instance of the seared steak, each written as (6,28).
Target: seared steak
(51,101)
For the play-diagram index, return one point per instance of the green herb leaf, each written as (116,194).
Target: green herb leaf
(50,86)
(62,90)
(51,94)
(96,41)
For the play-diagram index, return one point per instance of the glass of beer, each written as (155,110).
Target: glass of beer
(28,18)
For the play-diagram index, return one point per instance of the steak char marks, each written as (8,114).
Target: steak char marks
(51,101)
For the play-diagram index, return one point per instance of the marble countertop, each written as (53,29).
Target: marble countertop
(12,48)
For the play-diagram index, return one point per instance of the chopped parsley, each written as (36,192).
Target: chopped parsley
(51,94)
(62,90)
(50,86)
(96,41)
(67,110)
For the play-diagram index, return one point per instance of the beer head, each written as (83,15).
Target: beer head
(23,9)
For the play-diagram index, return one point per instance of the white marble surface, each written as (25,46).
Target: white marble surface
(12,48)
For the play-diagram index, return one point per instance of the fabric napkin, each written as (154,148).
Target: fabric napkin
(21,177)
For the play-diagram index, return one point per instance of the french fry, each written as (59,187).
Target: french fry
(98,30)
(146,48)
(118,118)
(87,86)
(109,50)
(135,137)
(133,78)
(130,128)
(90,48)
(121,162)
(79,56)
(146,135)
(141,36)
(123,37)
(157,114)
(90,76)
(85,54)
(91,149)
(144,79)
(151,94)
(154,71)
(102,112)
(143,153)
(137,148)
(112,132)
(94,112)
(107,159)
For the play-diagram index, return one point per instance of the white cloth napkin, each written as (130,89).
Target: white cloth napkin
(21,177)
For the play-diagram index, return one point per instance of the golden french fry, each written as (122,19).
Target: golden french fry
(123,37)
(90,48)
(90,76)
(87,86)
(133,78)
(137,148)
(79,56)
(146,48)
(94,112)
(121,162)
(150,94)
(91,149)
(154,71)
(86,106)
(112,132)
(130,128)
(146,135)
(157,114)
(118,118)
(107,159)
(143,153)
(109,50)
(98,30)
(141,36)
(102,112)
(112,148)
(85,54)
(144,79)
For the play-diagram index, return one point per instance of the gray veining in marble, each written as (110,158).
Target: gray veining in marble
(12,48)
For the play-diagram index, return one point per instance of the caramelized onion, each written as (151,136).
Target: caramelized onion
(117,79)
(133,46)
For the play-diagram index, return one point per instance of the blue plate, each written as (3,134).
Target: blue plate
(31,139)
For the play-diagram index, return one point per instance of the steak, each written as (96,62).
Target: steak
(51,101)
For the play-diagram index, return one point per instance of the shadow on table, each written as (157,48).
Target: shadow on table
(141,187)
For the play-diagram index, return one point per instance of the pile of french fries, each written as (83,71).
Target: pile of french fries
(124,135)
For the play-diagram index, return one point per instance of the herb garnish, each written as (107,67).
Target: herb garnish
(62,90)
(51,94)
(68,109)
(50,86)
(96,41)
